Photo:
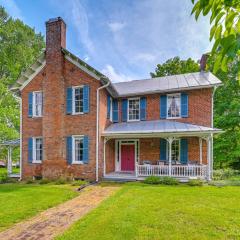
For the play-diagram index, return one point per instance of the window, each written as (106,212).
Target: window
(111,114)
(37,104)
(133,109)
(175,150)
(77,100)
(37,149)
(173,106)
(77,149)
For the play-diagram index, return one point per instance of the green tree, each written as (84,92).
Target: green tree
(225,30)
(175,66)
(19,47)
(227,117)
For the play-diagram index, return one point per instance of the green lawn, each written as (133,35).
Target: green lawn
(21,201)
(141,211)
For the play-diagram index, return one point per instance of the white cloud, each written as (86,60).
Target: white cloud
(145,57)
(116,26)
(111,73)
(12,8)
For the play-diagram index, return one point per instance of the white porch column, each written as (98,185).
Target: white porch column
(9,164)
(170,140)
(200,150)
(209,157)
(104,157)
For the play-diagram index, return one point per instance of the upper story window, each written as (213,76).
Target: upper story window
(37,104)
(77,149)
(77,100)
(37,150)
(133,109)
(173,106)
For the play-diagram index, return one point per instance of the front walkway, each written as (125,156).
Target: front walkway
(56,220)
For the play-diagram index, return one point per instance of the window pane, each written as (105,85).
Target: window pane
(175,150)
(174,106)
(133,109)
(78,100)
(78,149)
(38,149)
(38,103)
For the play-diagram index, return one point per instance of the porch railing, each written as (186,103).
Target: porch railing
(199,171)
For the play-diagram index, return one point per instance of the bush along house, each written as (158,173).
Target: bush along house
(76,123)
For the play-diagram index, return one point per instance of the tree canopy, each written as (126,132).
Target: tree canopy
(175,66)
(19,47)
(225,30)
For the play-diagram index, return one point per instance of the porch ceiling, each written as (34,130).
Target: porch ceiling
(157,128)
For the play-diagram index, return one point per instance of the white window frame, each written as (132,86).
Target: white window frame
(179,143)
(73,100)
(174,94)
(133,120)
(111,108)
(73,148)
(34,104)
(34,150)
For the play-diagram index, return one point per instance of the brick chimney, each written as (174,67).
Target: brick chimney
(54,100)
(203,62)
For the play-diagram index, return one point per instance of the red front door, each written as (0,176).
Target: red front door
(127,157)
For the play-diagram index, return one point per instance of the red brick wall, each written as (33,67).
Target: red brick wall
(199,112)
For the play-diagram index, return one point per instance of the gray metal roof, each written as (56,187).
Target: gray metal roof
(14,142)
(156,126)
(167,84)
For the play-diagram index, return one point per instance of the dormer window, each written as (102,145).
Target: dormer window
(173,106)
(133,109)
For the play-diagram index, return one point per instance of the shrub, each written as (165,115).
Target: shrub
(222,174)
(79,182)
(169,181)
(195,182)
(44,181)
(4,178)
(152,180)
(29,181)
(61,181)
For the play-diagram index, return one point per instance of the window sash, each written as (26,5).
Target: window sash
(134,109)
(174,106)
(175,150)
(77,149)
(77,100)
(37,104)
(38,150)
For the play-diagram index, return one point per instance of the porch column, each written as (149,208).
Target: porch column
(104,157)
(9,163)
(209,157)
(200,150)
(170,140)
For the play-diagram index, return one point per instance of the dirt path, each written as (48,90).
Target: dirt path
(56,220)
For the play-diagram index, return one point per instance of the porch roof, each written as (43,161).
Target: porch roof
(157,127)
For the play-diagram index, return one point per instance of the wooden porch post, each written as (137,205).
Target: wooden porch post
(209,156)
(200,150)
(170,140)
(9,164)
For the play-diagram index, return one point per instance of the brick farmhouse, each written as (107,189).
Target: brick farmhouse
(76,123)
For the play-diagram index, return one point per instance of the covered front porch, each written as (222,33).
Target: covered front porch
(185,153)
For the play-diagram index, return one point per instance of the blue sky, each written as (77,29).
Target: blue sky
(125,39)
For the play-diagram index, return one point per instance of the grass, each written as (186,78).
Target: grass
(21,201)
(140,211)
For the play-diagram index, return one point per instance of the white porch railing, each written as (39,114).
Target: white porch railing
(199,171)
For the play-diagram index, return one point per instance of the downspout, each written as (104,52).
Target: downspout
(97,126)
(212,125)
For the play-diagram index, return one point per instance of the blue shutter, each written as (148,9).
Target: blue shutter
(163,149)
(86,99)
(143,106)
(30,104)
(69,149)
(163,106)
(69,100)
(85,149)
(124,110)
(108,106)
(30,150)
(115,110)
(184,105)
(184,151)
